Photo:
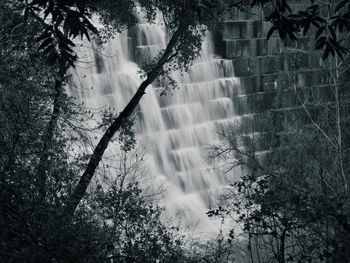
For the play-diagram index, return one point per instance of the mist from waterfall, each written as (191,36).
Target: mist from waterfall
(176,127)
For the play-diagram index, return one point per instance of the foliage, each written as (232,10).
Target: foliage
(134,227)
(293,197)
(328,21)
(65,20)
(33,228)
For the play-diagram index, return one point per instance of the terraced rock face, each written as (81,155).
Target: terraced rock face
(269,67)
(175,128)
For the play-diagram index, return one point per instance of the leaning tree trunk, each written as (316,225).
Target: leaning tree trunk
(85,179)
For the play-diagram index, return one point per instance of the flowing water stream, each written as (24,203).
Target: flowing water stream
(177,127)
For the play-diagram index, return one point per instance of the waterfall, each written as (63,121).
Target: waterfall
(175,127)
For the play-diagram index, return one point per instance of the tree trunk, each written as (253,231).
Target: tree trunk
(85,179)
(281,254)
(41,173)
(339,125)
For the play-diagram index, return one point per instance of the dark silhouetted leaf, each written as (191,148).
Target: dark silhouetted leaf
(46,42)
(341,5)
(270,32)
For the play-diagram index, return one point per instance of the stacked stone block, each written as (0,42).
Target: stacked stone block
(267,67)
(273,73)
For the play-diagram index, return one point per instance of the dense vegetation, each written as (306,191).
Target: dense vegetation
(42,128)
(40,132)
(46,214)
(293,196)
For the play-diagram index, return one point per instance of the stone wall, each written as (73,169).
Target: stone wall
(267,67)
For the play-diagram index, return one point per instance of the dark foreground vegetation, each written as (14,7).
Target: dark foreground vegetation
(294,200)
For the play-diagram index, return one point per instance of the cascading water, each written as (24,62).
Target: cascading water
(175,127)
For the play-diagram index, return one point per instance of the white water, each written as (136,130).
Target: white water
(175,127)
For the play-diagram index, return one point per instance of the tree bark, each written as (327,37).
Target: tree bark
(281,254)
(339,125)
(79,191)
(41,173)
